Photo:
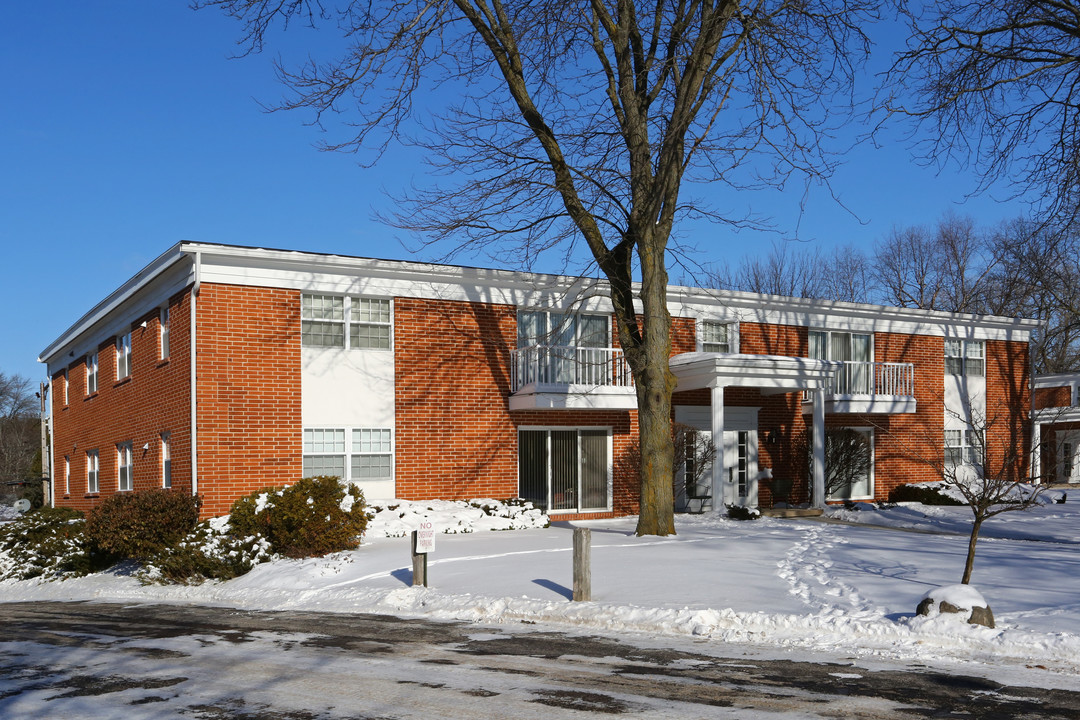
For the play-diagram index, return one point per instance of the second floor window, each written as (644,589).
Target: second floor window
(163,321)
(856,350)
(965,357)
(715,337)
(123,356)
(91,374)
(329,321)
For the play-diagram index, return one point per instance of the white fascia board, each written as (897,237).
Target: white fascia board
(1057,380)
(835,315)
(338,274)
(167,275)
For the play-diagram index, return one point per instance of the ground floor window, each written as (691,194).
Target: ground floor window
(352,454)
(963,447)
(849,463)
(124,467)
(565,469)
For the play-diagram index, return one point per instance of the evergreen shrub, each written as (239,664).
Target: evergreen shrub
(927,494)
(50,543)
(314,517)
(139,525)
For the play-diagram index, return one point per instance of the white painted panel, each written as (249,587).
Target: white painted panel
(965,401)
(347,388)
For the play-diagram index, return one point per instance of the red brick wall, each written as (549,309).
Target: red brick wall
(1053,397)
(249,392)
(1008,401)
(155,398)
(455,435)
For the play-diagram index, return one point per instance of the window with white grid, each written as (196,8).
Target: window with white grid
(965,357)
(324,452)
(164,325)
(715,336)
(322,321)
(963,447)
(371,454)
(369,323)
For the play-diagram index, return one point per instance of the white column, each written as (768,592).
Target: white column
(818,432)
(718,443)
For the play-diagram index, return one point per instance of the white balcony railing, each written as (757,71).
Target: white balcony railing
(872,378)
(569,365)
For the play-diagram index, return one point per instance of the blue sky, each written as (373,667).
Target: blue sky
(125,126)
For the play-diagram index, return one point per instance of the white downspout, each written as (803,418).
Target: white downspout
(194,392)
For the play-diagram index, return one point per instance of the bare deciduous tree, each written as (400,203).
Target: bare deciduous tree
(996,82)
(556,122)
(946,267)
(18,428)
(842,273)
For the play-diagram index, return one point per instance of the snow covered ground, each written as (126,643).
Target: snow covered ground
(848,590)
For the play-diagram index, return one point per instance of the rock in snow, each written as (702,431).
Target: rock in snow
(960,599)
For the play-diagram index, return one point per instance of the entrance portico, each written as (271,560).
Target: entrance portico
(770,374)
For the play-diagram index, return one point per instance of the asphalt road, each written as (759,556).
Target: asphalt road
(80,660)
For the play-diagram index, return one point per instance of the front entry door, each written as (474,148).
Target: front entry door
(694,484)
(740,468)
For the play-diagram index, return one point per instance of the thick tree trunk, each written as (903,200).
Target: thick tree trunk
(970,562)
(655,383)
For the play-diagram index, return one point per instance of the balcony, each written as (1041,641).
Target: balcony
(869,387)
(544,377)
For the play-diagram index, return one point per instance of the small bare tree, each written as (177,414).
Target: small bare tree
(990,483)
(847,460)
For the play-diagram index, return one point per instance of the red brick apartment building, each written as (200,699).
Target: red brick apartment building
(220,370)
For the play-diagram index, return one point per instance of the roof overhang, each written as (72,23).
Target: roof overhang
(770,373)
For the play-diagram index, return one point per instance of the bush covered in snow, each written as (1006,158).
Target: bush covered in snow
(212,551)
(138,525)
(310,518)
(932,493)
(453,517)
(49,543)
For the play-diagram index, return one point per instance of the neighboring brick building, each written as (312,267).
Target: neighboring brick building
(1057,426)
(221,370)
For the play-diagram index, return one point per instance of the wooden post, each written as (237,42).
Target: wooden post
(419,564)
(582,561)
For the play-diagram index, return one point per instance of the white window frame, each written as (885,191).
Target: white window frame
(707,344)
(123,356)
(67,475)
(351,448)
(166,460)
(966,357)
(578,428)
(91,373)
(66,384)
(345,319)
(372,314)
(93,472)
(963,446)
(163,327)
(125,467)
